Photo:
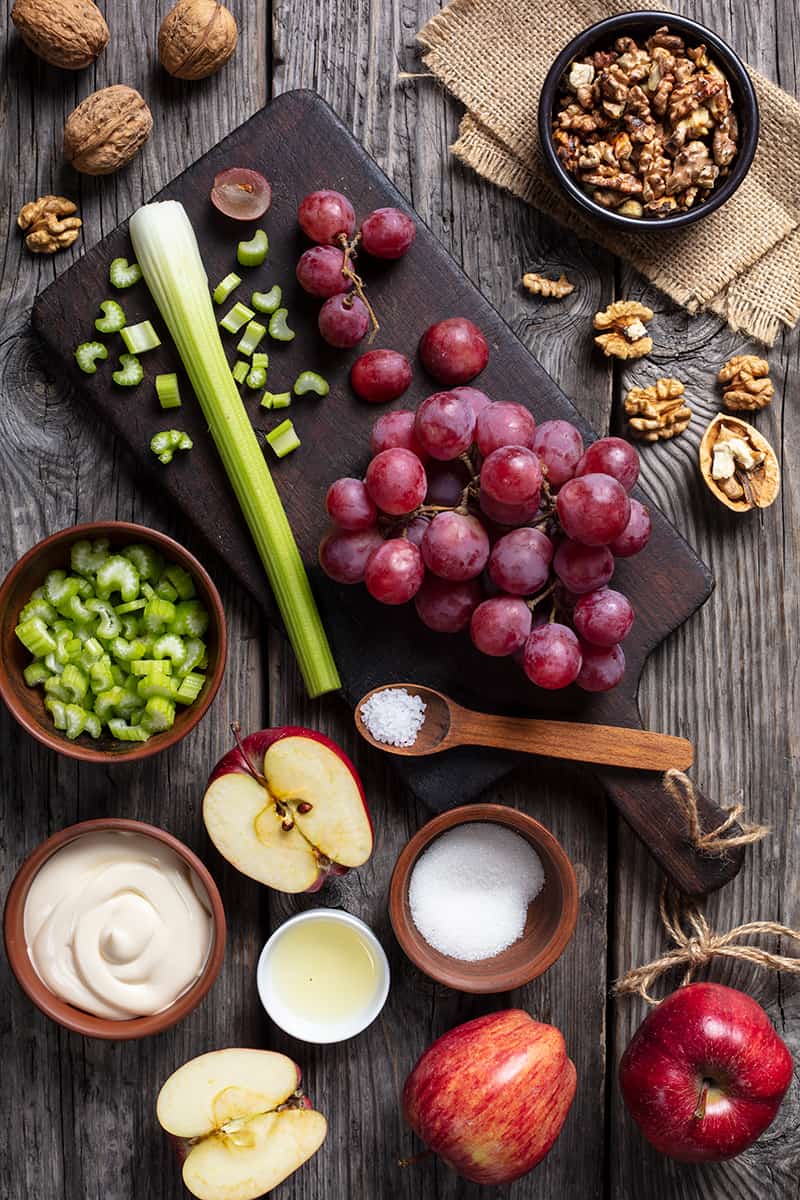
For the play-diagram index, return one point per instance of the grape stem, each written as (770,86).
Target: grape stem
(542,596)
(350,249)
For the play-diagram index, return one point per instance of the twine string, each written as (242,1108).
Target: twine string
(680,788)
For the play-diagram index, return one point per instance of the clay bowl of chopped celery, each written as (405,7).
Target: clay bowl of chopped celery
(112,641)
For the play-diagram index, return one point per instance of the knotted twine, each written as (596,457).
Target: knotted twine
(679,787)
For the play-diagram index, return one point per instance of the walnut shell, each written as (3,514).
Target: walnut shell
(196,38)
(764,483)
(65,33)
(106,130)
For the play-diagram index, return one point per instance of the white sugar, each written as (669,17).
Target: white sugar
(469,891)
(393,716)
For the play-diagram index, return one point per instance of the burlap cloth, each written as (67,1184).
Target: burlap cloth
(742,261)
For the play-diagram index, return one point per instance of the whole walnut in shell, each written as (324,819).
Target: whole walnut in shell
(106,130)
(65,33)
(196,38)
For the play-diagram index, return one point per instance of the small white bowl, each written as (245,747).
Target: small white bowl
(322,1032)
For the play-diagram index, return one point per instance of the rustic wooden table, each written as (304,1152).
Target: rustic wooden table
(78,1116)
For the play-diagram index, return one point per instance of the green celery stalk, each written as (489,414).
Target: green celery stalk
(167,251)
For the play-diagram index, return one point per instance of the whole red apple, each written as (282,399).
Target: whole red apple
(491,1095)
(705,1073)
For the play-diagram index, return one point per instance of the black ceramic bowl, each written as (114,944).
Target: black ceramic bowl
(640,25)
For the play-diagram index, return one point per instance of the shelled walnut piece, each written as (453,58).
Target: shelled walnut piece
(747,383)
(49,224)
(738,464)
(646,130)
(658,412)
(540,285)
(625,334)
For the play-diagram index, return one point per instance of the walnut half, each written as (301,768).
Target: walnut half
(540,285)
(747,386)
(624,332)
(49,224)
(738,464)
(657,412)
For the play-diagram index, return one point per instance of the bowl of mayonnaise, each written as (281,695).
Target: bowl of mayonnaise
(114,928)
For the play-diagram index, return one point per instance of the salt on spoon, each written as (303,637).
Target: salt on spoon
(393,716)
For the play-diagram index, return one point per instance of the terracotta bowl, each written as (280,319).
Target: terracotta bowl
(74,1018)
(26,704)
(551,915)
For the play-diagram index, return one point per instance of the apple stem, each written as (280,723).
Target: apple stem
(236,730)
(414,1158)
(700,1111)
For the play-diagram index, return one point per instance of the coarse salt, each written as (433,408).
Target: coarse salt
(393,716)
(470,889)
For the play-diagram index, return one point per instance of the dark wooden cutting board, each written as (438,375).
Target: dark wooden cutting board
(300,145)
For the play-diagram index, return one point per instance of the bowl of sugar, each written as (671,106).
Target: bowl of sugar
(483,899)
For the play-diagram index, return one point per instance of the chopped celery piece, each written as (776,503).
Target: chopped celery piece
(87,557)
(182,582)
(165,590)
(35,672)
(238,316)
(130,373)
(140,338)
(91,653)
(283,439)
(260,359)
(57,710)
(130,702)
(225,287)
(87,354)
(267,302)
(125,732)
(76,721)
(148,591)
(118,574)
(190,619)
(34,636)
(122,274)
(310,381)
(146,666)
(127,651)
(113,318)
(165,443)
(253,253)
(100,677)
(256,378)
(276,399)
(167,390)
(122,610)
(170,647)
(159,714)
(108,623)
(158,614)
(195,656)
(105,703)
(278,328)
(240,370)
(251,337)
(148,562)
(75,681)
(156,683)
(190,688)
(93,726)
(54,687)
(38,608)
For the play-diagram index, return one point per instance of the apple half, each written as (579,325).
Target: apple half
(240,1122)
(286,807)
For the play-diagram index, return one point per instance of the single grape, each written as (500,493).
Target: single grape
(380,375)
(500,626)
(394,571)
(242,194)
(454,351)
(477,399)
(520,562)
(416,530)
(611,456)
(636,533)
(387,233)
(349,504)
(559,446)
(446,483)
(511,481)
(396,429)
(343,555)
(445,606)
(319,271)
(445,425)
(325,215)
(603,617)
(602,667)
(593,509)
(504,424)
(396,481)
(552,657)
(343,321)
(455,546)
(583,568)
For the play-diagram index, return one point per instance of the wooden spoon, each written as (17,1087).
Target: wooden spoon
(447,725)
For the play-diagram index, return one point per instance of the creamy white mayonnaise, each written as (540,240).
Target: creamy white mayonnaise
(117,924)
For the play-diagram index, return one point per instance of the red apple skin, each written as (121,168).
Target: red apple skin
(705,1031)
(490,1097)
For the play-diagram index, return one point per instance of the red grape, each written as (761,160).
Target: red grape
(583,568)
(445,425)
(504,424)
(636,533)
(446,483)
(611,456)
(343,321)
(387,233)
(416,530)
(325,215)
(602,667)
(380,375)
(242,194)
(559,446)
(349,504)
(394,572)
(520,562)
(343,555)
(552,657)
(445,606)
(396,481)
(319,271)
(477,399)
(455,546)
(395,429)
(500,626)
(593,509)
(603,617)
(511,481)
(454,351)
